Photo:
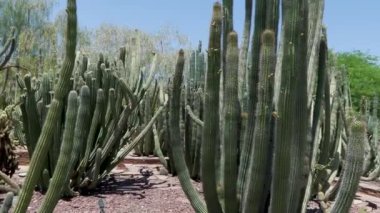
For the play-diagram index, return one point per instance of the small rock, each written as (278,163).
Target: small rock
(22,174)
(356,202)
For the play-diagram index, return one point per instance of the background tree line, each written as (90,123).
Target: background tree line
(40,44)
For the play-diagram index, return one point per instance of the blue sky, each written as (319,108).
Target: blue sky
(351,24)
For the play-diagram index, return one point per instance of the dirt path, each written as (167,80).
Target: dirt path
(127,191)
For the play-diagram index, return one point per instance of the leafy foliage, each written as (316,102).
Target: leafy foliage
(364,74)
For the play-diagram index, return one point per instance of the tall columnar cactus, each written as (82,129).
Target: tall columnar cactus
(63,164)
(61,90)
(175,141)
(352,169)
(211,113)
(257,184)
(244,54)
(81,126)
(33,120)
(373,126)
(285,128)
(292,121)
(95,124)
(261,16)
(231,122)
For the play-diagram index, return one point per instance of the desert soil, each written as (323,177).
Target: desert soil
(128,192)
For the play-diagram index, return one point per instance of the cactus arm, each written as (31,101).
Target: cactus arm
(194,117)
(95,124)
(258,178)
(82,127)
(322,96)
(34,127)
(128,94)
(61,90)
(231,117)
(9,181)
(117,133)
(7,203)
(292,122)
(244,53)
(128,148)
(211,113)
(95,174)
(63,164)
(176,146)
(157,148)
(353,169)
(252,76)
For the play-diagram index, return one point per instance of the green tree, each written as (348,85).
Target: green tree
(364,74)
(35,35)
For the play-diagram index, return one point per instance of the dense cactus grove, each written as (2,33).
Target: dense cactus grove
(266,127)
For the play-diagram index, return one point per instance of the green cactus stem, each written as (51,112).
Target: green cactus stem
(95,125)
(258,178)
(97,164)
(289,164)
(352,170)
(193,116)
(211,113)
(252,79)
(231,117)
(157,148)
(7,204)
(34,126)
(10,182)
(82,128)
(126,149)
(63,164)
(175,141)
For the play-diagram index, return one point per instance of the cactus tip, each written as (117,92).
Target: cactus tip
(217,11)
(233,38)
(268,37)
(358,126)
(181,52)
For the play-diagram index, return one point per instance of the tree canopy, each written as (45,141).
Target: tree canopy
(364,74)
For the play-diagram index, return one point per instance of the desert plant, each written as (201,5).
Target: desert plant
(289,90)
(8,159)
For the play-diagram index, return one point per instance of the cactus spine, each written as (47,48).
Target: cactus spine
(61,91)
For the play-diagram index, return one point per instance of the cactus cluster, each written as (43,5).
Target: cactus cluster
(265,129)
(284,138)
(75,140)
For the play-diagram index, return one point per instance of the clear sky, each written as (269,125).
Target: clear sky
(351,24)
